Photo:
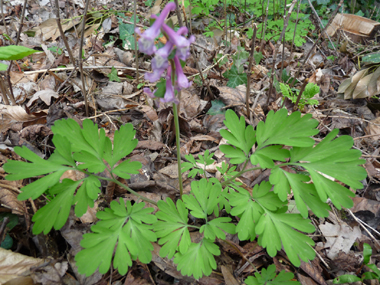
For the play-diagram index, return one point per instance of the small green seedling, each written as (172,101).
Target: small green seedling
(310,91)
(268,277)
(348,278)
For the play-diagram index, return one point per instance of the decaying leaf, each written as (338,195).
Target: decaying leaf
(361,85)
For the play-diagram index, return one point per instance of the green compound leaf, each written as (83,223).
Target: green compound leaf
(250,208)
(336,159)
(113,75)
(311,89)
(172,227)
(265,156)
(123,143)
(347,278)
(198,260)
(238,135)
(215,227)
(268,277)
(367,252)
(15,52)
(204,198)
(126,225)
(293,130)
(127,167)
(89,140)
(305,194)
(199,165)
(234,77)
(19,170)
(56,212)
(279,229)
(86,195)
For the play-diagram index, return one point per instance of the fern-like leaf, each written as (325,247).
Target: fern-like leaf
(172,227)
(198,260)
(238,135)
(268,277)
(126,225)
(293,130)
(279,229)
(336,159)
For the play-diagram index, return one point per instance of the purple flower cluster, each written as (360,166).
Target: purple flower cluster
(160,61)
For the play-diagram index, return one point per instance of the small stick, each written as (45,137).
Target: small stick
(319,37)
(286,22)
(136,51)
(300,94)
(252,52)
(84,67)
(80,57)
(58,20)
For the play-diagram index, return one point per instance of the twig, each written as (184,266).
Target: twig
(135,35)
(300,94)
(84,67)
(106,112)
(208,68)
(11,95)
(320,23)
(361,223)
(4,92)
(252,52)
(319,37)
(295,27)
(286,22)
(201,74)
(4,22)
(263,29)
(58,20)
(80,56)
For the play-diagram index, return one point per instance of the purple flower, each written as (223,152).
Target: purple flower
(169,94)
(182,81)
(159,63)
(150,93)
(183,45)
(146,41)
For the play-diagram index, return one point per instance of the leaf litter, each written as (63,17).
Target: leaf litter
(46,89)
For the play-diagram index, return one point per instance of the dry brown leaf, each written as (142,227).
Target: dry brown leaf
(374,83)
(44,95)
(13,114)
(339,237)
(348,86)
(14,265)
(361,89)
(229,279)
(8,197)
(374,129)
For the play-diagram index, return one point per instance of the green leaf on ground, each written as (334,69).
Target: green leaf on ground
(234,77)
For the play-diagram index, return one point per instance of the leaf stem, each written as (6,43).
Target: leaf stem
(239,173)
(177,133)
(134,192)
(122,185)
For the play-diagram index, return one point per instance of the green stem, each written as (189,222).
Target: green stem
(122,185)
(240,173)
(236,175)
(134,192)
(176,124)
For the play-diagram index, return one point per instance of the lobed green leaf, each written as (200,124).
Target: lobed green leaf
(123,224)
(198,260)
(293,130)
(56,212)
(172,227)
(278,230)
